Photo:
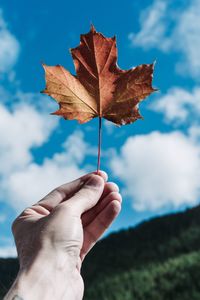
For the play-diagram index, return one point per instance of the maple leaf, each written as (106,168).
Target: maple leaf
(100,88)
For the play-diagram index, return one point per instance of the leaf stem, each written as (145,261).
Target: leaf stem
(99,145)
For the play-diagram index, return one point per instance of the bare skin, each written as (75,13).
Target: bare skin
(54,235)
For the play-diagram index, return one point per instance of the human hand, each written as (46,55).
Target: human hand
(54,235)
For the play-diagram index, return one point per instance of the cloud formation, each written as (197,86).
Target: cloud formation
(9,47)
(159,170)
(2,218)
(8,251)
(172,28)
(150,34)
(22,181)
(178,105)
(21,129)
(25,186)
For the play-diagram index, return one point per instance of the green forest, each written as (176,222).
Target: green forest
(158,259)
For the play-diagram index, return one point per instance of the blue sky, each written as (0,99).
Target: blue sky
(154,161)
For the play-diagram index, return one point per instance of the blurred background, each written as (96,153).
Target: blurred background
(152,249)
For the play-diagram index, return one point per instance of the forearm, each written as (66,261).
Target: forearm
(46,280)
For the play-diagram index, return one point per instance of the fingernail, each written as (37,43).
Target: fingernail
(103,174)
(94,180)
(115,185)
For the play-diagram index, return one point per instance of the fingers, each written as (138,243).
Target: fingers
(98,226)
(90,215)
(66,191)
(87,196)
(110,187)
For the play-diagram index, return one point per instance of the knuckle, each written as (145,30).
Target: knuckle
(56,194)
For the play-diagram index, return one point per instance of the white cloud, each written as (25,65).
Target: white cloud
(9,47)
(42,103)
(151,34)
(2,218)
(22,180)
(186,39)
(159,170)
(7,247)
(21,129)
(170,28)
(109,127)
(8,251)
(179,105)
(24,187)
(194,132)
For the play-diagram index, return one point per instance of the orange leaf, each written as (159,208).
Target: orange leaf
(100,88)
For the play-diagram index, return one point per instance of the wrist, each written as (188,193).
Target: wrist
(47,277)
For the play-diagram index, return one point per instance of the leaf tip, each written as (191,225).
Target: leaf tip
(92,28)
(42,63)
(55,113)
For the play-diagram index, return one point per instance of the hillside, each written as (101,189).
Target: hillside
(158,259)
(175,279)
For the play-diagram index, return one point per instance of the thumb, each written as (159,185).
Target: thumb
(87,196)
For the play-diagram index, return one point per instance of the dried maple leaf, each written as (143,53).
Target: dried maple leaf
(100,88)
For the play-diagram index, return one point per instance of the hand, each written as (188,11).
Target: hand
(54,235)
